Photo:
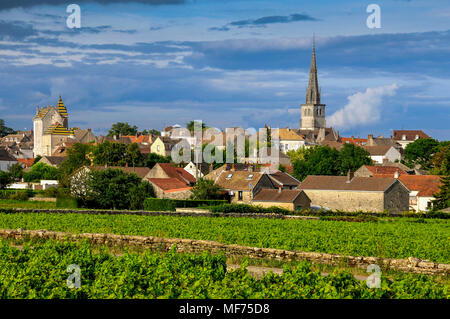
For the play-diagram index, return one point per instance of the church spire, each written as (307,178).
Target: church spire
(313,93)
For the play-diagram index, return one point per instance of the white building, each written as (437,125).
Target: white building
(381,153)
(6,160)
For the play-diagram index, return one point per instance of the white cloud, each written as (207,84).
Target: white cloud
(363,108)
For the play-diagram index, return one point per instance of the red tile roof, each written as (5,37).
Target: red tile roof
(354,140)
(410,135)
(27,161)
(177,172)
(169,184)
(389,170)
(426,185)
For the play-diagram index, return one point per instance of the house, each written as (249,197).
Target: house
(422,188)
(167,170)
(163,145)
(350,193)
(381,153)
(284,180)
(371,170)
(169,181)
(6,160)
(404,137)
(290,140)
(84,136)
(198,170)
(354,140)
(293,200)
(243,185)
(170,188)
(54,161)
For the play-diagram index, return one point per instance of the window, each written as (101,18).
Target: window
(157,148)
(240,195)
(250,176)
(417,136)
(404,137)
(229,176)
(299,208)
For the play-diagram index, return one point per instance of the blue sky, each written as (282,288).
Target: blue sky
(155,63)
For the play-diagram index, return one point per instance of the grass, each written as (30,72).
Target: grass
(6,203)
(429,239)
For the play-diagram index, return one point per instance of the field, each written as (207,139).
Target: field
(40,271)
(400,238)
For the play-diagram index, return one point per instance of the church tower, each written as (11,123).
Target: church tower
(312,112)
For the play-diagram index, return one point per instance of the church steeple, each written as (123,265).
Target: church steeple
(313,93)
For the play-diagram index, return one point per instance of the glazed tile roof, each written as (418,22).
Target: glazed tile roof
(58,129)
(61,108)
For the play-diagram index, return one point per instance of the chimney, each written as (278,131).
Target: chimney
(126,164)
(349,176)
(232,167)
(396,174)
(370,140)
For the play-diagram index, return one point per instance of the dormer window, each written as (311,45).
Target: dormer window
(417,136)
(404,137)
(229,176)
(250,176)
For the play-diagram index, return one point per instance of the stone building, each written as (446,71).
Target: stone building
(293,200)
(51,128)
(349,193)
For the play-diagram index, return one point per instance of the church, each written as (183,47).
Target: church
(312,120)
(51,128)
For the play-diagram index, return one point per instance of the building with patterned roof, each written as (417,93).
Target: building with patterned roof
(51,128)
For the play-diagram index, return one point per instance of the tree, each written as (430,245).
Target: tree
(205,189)
(37,159)
(122,128)
(352,157)
(420,152)
(153,159)
(441,160)
(4,130)
(111,154)
(151,132)
(133,155)
(442,199)
(16,171)
(39,172)
(77,156)
(190,126)
(320,160)
(298,154)
(113,188)
(5,179)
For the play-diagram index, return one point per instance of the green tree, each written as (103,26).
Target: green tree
(441,160)
(77,156)
(108,153)
(152,132)
(319,160)
(153,159)
(122,128)
(16,171)
(5,179)
(4,130)
(420,152)
(206,189)
(442,199)
(191,124)
(115,189)
(352,157)
(37,159)
(298,154)
(39,172)
(133,155)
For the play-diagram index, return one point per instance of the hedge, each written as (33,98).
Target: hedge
(16,194)
(410,214)
(249,209)
(66,202)
(162,204)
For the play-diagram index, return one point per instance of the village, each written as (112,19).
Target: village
(383,175)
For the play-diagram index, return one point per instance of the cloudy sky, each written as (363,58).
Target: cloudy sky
(155,63)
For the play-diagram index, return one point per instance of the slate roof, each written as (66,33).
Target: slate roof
(274,195)
(54,160)
(321,182)
(284,179)
(5,156)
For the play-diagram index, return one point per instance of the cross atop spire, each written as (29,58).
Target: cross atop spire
(313,93)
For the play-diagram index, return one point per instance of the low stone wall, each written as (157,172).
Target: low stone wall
(198,246)
(190,212)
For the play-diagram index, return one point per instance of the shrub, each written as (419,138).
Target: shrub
(16,194)
(248,209)
(159,204)
(66,202)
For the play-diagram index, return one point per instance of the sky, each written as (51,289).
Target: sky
(155,63)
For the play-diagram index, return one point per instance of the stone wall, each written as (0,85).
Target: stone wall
(198,246)
(347,200)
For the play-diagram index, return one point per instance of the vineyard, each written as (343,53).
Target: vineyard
(402,238)
(40,271)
